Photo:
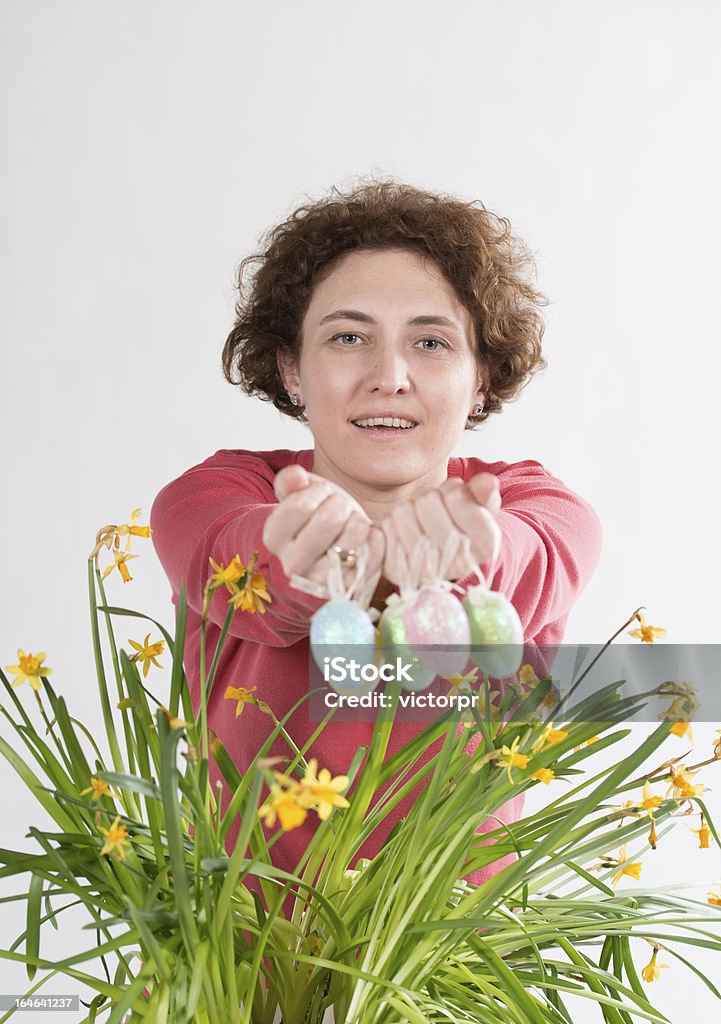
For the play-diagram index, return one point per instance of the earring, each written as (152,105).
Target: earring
(477,409)
(294,400)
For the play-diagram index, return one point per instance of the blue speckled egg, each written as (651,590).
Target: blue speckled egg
(342,629)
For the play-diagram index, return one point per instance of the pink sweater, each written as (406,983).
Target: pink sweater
(550,546)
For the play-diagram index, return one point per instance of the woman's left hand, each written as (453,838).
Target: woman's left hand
(466,509)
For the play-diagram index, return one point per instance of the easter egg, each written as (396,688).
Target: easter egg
(496,631)
(395,643)
(341,631)
(437,619)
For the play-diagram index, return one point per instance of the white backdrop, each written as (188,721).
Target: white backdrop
(147,145)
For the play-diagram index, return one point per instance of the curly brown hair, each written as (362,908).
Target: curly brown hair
(487,265)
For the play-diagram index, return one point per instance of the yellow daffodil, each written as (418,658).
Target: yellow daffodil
(290,800)
(683,689)
(109,536)
(250,597)
(552,697)
(116,839)
(459,684)
(456,682)
(147,653)
(518,689)
(120,558)
(678,709)
(283,804)
(628,810)
(653,835)
(714,898)
(648,634)
(30,666)
(131,530)
(99,788)
(717,747)
(321,791)
(704,835)
(242,696)
(681,783)
(175,723)
(549,736)
(633,870)
(527,676)
(652,970)
(510,758)
(227,576)
(680,712)
(648,801)
(544,775)
(525,681)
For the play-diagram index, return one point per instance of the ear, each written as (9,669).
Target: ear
(288,370)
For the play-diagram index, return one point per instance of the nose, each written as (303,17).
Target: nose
(389,372)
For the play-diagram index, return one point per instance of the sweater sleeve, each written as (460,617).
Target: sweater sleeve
(218,509)
(550,544)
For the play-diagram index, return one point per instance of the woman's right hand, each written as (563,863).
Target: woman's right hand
(313,515)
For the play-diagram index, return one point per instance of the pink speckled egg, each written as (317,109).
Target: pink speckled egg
(437,618)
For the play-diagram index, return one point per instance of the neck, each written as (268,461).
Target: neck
(379,499)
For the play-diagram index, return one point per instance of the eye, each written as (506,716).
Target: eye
(344,339)
(436,343)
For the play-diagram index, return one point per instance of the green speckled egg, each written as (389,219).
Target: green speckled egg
(494,621)
(393,634)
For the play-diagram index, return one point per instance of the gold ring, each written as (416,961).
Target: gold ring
(347,556)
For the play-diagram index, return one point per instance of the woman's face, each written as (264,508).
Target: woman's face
(385,335)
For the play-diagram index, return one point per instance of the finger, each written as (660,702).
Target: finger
(354,533)
(485,490)
(320,532)
(435,520)
(287,520)
(377,550)
(358,533)
(315,479)
(477,523)
(395,563)
(408,530)
(290,479)
(354,536)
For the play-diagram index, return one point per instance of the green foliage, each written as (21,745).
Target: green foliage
(403,937)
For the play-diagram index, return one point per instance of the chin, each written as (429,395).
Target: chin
(384,468)
(389,475)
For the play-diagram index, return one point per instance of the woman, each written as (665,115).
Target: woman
(390,320)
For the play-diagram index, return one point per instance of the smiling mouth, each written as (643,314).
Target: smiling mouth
(385,423)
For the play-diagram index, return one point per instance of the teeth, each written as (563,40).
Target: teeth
(385,421)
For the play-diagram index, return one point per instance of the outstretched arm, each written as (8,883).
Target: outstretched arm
(221,509)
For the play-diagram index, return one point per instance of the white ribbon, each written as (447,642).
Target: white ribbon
(360,590)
